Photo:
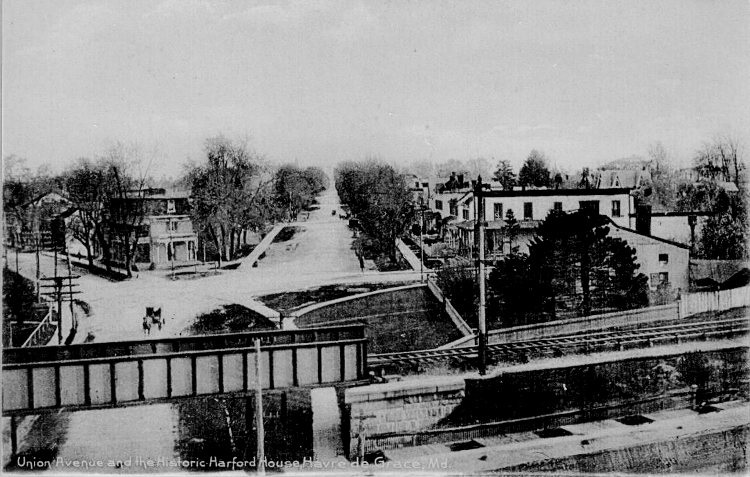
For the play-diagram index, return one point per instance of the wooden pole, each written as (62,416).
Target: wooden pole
(261,455)
(37,268)
(74,322)
(58,289)
(480,244)
(13,437)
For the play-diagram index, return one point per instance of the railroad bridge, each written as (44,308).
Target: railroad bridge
(96,375)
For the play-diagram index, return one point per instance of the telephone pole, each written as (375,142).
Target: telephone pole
(260,436)
(479,230)
(59,294)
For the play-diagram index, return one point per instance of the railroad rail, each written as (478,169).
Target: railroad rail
(587,342)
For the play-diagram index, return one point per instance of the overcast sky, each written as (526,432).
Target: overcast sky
(325,81)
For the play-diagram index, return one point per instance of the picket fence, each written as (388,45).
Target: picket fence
(721,300)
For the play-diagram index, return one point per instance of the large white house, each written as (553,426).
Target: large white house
(530,207)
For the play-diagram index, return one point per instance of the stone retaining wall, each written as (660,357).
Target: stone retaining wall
(401,406)
(397,299)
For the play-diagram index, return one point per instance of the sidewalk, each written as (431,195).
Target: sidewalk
(505,452)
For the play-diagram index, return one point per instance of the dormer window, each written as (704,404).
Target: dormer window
(170,206)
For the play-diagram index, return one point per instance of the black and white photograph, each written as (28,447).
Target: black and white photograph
(375,237)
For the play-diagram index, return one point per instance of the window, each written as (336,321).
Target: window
(663,259)
(465,214)
(454,207)
(589,205)
(615,208)
(439,204)
(170,206)
(416,185)
(425,184)
(172,226)
(528,211)
(498,214)
(557,206)
(659,279)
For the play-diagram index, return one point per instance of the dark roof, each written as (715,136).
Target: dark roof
(41,196)
(68,213)
(659,239)
(718,270)
(552,192)
(739,279)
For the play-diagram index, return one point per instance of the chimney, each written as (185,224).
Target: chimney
(643,219)
(460,180)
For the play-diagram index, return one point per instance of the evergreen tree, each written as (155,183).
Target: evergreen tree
(571,257)
(534,171)
(505,175)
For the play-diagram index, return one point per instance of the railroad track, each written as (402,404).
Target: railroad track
(587,342)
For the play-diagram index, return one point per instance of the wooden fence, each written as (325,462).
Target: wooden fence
(43,333)
(694,303)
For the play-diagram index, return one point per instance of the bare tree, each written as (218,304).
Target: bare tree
(231,191)
(125,170)
(720,159)
(84,184)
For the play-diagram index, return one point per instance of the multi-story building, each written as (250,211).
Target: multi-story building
(529,208)
(165,235)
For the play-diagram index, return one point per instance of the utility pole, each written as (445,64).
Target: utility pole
(37,267)
(260,434)
(59,295)
(58,289)
(421,249)
(74,321)
(480,225)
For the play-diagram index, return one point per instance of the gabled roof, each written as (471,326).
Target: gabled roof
(659,239)
(52,194)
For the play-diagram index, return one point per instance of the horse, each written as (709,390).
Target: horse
(156,317)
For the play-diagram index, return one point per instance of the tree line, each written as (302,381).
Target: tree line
(379,198)
(233,189)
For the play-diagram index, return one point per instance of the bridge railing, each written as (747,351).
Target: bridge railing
(121,380)
(44,331)
(182,344)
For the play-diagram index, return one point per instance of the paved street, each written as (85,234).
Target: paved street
(321,249)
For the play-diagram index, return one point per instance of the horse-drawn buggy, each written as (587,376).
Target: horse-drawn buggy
(151,318)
